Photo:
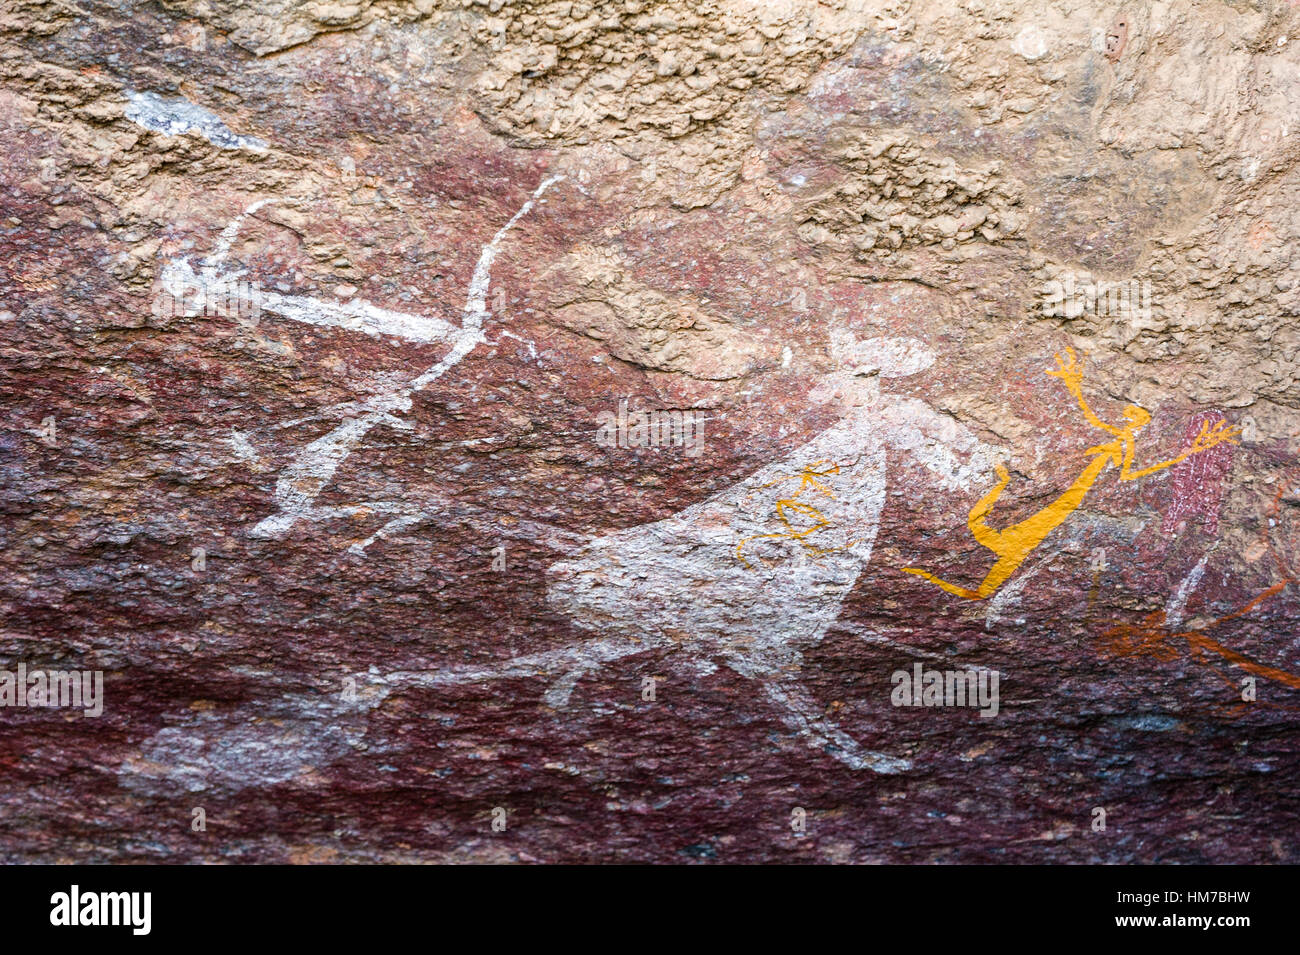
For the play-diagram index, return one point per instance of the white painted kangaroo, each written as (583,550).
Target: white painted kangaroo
(757,572)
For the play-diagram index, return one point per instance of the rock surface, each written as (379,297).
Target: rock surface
(330,334)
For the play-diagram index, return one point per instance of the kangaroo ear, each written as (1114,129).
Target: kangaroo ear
(894,357)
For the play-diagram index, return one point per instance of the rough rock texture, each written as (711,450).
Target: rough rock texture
(317,319)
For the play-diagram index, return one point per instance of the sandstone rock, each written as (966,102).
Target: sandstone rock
(511,431)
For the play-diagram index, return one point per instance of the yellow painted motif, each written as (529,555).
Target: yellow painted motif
(810,479)
(1013,544)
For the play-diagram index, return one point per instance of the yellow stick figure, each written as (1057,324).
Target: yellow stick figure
(808,479)
(1013,544)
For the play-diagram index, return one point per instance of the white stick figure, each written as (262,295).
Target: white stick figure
(314,467)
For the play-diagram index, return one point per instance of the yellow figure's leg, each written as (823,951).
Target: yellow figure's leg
(997,576)
(953,589)
(986,535)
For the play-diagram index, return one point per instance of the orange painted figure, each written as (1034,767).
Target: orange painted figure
(1013,544)
(1157,638)
(1154,638)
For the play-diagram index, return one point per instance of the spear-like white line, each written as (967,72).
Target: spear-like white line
(213,282)
(314,467)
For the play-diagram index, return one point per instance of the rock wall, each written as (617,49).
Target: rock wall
(784,431)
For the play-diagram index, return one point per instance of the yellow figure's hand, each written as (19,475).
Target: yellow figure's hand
(1068,369)
(1211,437)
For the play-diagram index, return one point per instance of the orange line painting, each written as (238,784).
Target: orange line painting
(1013,544)
(1152,637)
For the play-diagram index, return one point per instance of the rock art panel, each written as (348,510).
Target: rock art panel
(582,432)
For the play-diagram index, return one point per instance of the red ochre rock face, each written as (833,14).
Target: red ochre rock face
(731,439)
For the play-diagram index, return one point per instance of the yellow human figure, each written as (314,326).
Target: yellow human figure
(808,479)
(1013,544)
